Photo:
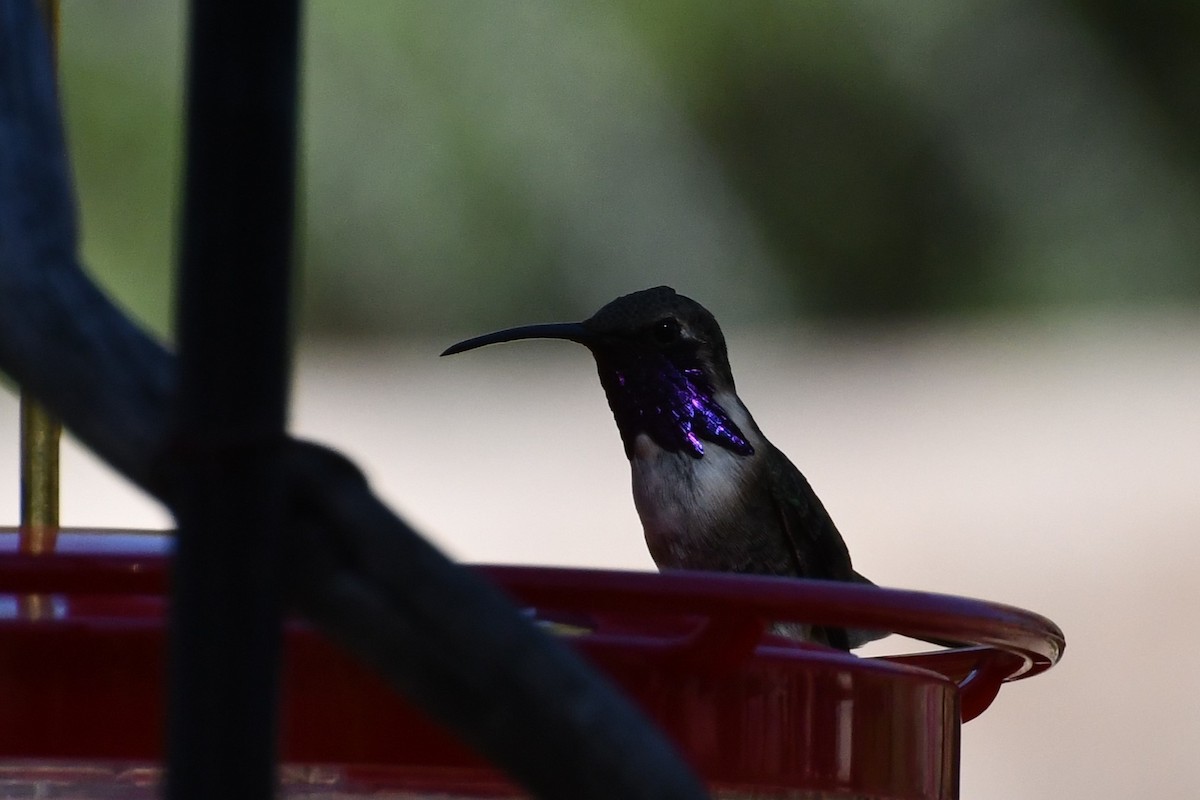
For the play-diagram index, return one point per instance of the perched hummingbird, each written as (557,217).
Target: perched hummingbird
(711,491)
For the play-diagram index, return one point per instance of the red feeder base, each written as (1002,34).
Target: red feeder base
(81,681)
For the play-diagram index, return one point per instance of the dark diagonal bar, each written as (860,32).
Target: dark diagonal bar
(234,356)
(434,630)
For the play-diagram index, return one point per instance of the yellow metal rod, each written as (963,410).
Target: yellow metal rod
(40,432)
(49,9)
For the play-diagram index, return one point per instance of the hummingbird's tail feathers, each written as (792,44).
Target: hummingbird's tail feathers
(855,637)
(942,642)
(858,577)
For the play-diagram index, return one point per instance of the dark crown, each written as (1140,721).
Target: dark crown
(635,316)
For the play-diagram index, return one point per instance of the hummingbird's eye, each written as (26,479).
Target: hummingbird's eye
(666,331)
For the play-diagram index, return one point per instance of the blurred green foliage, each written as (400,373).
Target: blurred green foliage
(469,164)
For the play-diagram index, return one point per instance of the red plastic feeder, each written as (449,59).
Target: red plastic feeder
(81,681)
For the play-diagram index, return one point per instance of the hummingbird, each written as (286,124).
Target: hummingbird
(711,490)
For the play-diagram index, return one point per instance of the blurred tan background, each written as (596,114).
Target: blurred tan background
(954,248)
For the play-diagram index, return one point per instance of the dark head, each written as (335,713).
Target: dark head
(662,361)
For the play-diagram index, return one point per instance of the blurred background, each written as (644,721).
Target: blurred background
(953,245)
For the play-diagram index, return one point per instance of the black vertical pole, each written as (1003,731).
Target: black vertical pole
(233,342)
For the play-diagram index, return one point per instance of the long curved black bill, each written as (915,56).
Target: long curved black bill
(571,331)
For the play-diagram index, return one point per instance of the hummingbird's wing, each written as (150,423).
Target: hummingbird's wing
(813,541)
(809,533)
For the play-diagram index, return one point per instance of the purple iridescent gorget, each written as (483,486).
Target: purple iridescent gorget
(673,405)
